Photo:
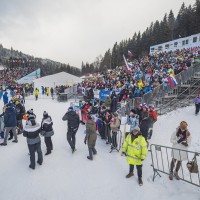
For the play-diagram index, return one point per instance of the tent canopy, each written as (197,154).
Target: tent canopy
(58,79)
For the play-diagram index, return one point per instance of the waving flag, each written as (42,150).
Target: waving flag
(127,67)
(130,54)
(172,81)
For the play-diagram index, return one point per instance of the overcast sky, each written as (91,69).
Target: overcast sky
(72,31)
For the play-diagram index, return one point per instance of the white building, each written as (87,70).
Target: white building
(181,43)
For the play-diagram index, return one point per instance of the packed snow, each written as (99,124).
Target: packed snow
(64,175)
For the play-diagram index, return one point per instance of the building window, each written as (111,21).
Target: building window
(167,46)
(159,48)
(186,41)
(152,49)
(183,42)
(175,44)
(194,39)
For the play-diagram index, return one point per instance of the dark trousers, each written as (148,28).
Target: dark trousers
(92,151)
(139,170)
(20,126)
(32,149)
(197,108)
(71,137)
(49,144)
(114,139)
(102,130)
(145,134)
(107,133)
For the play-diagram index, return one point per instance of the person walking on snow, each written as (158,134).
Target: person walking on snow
(197,104)
(181,139)
(32,132)
(135,150)
(91,137)
(36,92)
(73,124)
(47,131)
(10,122)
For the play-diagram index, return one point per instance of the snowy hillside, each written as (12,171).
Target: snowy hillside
(65,176)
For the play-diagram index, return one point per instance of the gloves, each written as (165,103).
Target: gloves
(123,153)
(180,140)
(184,143)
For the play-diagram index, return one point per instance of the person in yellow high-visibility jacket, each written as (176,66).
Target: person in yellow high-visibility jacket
(36,92)
(48,91)
(135,149)
(140,84)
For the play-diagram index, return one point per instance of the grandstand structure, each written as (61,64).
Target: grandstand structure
(180,43)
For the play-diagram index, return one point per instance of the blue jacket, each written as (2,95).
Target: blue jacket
(10,119)
(5,98)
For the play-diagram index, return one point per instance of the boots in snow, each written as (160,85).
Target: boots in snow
(89,158)
(176,175)
(129,175)
(171,176)
(140,182)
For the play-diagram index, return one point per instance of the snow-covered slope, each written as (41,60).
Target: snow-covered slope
(65,176)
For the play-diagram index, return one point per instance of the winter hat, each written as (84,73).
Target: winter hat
(151,107)
(45,114)
(136,130)
(31,122)
(115,114)
(70,108)
(30,111)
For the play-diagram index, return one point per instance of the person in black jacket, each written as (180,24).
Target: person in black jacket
(20,113)
(139,112)
(47,131)
(10,122)
(73,124)
(144,125)
(32,132)
(113,106)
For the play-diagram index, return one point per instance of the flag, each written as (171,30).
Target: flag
(127,67)
(130,64)
(172,81)
(130,54)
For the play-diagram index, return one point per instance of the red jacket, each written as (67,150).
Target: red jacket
(153,114)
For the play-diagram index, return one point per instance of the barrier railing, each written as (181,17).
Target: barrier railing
(161,162)
(166,88)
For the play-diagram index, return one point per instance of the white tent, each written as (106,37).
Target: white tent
(58,79)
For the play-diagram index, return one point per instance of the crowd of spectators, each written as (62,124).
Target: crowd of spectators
(11,75)
(138,77)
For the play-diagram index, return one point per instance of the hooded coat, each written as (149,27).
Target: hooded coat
(32,133)
(91,135)
(135,148)
(115,124)
(72,118)
(46,127)
(10,119)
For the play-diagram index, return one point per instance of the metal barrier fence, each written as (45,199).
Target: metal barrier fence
(166,88)
(161,161)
